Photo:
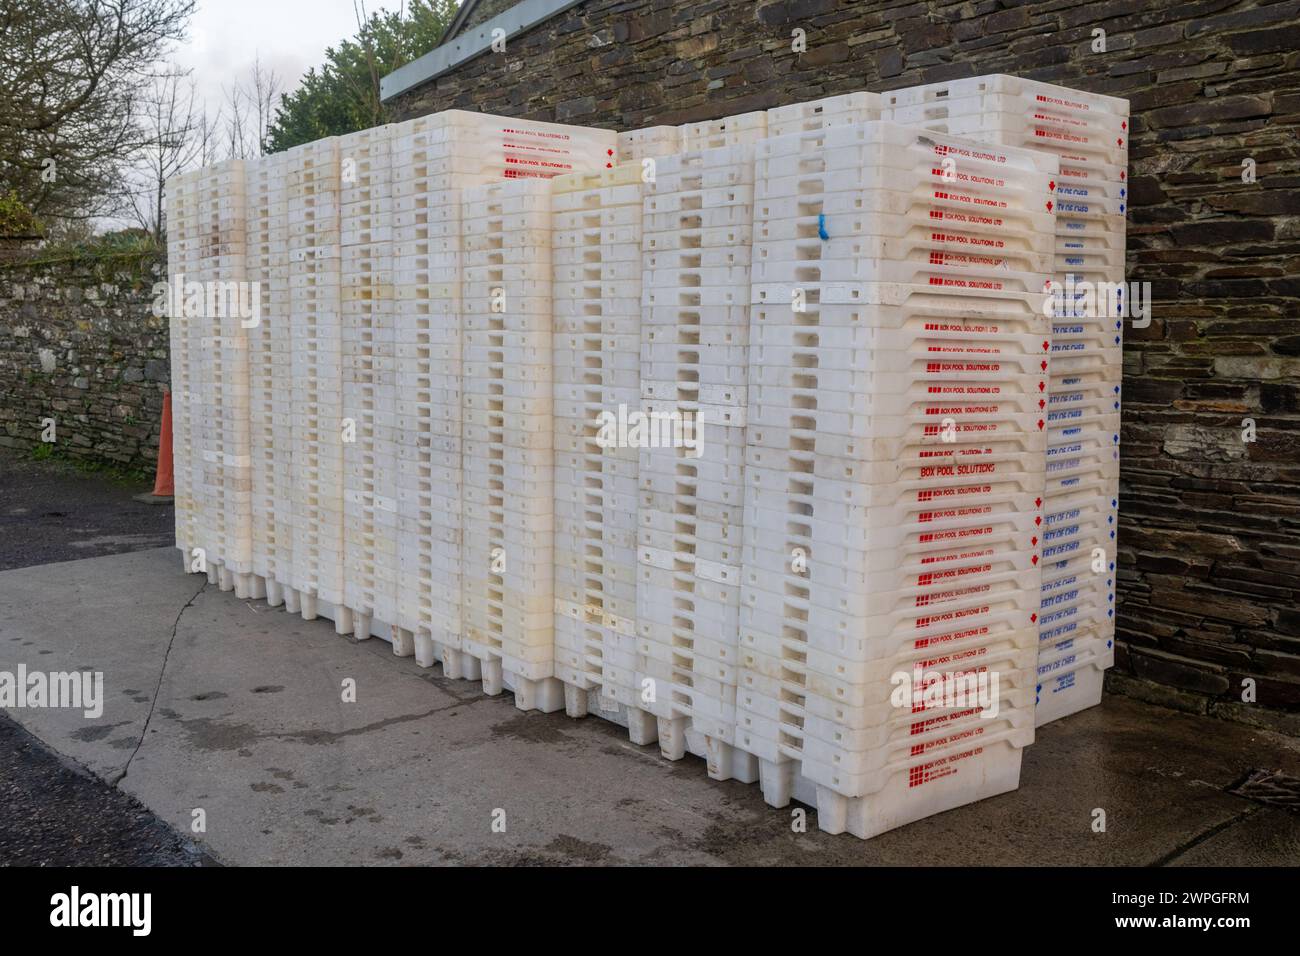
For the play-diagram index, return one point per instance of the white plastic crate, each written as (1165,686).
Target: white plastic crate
(637,145)
(743,129)
(842,110)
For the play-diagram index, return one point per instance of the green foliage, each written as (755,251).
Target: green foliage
(15,218)
(125,245)
(342,96)
(125,255)
(123,242)
(60,461)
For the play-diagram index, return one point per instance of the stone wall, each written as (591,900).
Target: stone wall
(1209,550)
(79,343)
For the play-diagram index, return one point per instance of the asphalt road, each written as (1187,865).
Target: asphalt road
(51,512)
(53,812)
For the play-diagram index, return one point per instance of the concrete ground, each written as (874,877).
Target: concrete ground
(236,709)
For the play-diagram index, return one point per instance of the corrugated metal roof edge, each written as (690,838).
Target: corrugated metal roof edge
(522,16)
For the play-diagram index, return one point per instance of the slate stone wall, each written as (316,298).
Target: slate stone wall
(79,343)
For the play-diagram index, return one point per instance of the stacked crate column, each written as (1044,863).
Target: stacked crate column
(369,386)
(1089,133)
(227,484)
(596,236)
(508,571)
(694,368)
(894,474)
(182,264)
(267,222)
(316,390)
(427,343)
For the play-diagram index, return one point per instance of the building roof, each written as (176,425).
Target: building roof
(471,13)
(469,35)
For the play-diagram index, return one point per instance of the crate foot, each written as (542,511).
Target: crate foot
(225,579)
(726,762)
(492,676)
(777,781)
(672,737)
(575,700)
(426,654)
(641,727)
(471,668)
(832,811)
(256,587)
(308,604)
(343,620)
(403,642)
(744,766)
(453,665)
(545,694)
(274,592)
(244,586)
(361,626)
(292,601)
(213,575)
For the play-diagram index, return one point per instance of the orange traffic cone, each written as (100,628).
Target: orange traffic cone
(164,482)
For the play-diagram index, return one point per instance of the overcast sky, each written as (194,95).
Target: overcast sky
(289,35)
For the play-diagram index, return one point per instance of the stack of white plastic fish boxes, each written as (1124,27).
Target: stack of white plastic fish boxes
(596,251)
(182,267)
(224,492)
(694,364)
(266,269)
(426,286)
(434,158)
(370,436)
(508,458)
(316,369)
(281,590)
(1089,133)
(894,473)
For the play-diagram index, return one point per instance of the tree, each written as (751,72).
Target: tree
(16,220)
(343,95)
(247,109)
(73,74)
(170,119)
(178,134)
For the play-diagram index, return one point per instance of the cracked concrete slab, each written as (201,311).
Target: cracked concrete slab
(113,615)
(251,727)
